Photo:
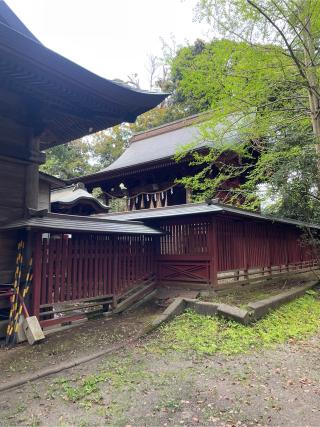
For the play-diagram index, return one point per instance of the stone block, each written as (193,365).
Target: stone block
(21,336)
(263,307)
(202,307)
(234,313)
(32,329)
(174,309)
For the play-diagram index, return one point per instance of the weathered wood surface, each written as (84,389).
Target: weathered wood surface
(198,249)
(89,266)
(19,157)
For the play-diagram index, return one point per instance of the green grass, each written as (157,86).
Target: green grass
(120,374)
(209,335)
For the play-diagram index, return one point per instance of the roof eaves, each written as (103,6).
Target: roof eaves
(81,224)
(78,199)
(57,183)
(195,209)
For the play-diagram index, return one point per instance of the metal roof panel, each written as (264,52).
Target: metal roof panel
(199,208)
(72,223)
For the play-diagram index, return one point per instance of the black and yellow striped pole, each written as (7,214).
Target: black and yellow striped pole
(21,297)
(15,296)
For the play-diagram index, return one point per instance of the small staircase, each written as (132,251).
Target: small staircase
(127,300)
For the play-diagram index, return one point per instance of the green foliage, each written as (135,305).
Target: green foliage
(87,387)
(209,335)
(120,374)
(69,160)
(108,145)
(249,89)
(192,331)
(261,81)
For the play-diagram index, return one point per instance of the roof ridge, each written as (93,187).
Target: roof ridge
(170,126)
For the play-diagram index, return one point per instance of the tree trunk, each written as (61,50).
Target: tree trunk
(313,86)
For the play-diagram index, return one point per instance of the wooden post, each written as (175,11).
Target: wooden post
(269,251)
(32,174)
(36,286)
(28,238)
(114,271)
(213,251)
(245,252)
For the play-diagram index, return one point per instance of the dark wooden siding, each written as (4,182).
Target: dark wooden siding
(44,195)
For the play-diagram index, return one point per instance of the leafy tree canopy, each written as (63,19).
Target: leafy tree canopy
(265,97)
(69,160)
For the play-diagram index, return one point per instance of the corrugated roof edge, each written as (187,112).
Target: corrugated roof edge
(64,223)
(211,208)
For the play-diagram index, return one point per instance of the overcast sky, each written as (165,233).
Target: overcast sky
(112,38)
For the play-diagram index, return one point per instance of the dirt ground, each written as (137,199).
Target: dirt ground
(91,337)
(140,387)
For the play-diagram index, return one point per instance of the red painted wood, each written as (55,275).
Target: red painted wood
(61,320)
(69,271)
(37,274)
(63,267)
(194,249)
(44,281)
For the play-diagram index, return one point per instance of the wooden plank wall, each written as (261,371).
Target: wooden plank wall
(18,173)
(12,206)
(197,248)
(85,266)
(244,245)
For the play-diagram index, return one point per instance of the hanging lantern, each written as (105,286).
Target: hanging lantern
(171,190)
(147,197)
(162,195)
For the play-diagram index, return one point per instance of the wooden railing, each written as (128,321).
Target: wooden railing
(255,275)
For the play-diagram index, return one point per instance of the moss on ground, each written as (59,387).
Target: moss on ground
(209,335)
(241,297)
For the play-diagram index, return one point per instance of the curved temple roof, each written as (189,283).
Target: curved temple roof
(65,100)
(74,194)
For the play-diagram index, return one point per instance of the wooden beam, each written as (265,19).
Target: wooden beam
(214,252)
(36,283)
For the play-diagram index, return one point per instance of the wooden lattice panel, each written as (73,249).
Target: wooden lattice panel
(188,271)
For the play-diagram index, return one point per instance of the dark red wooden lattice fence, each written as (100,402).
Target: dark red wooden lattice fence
(197,249)
(83,266)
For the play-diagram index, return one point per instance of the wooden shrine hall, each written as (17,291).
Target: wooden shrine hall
(47,100)
(145,174)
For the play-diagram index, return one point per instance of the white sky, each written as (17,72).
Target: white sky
(112,38)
